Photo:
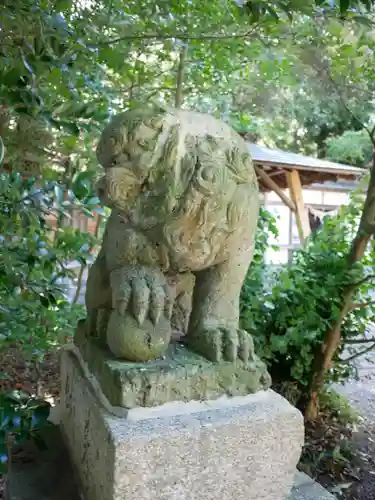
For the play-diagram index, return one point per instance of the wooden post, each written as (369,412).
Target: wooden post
(270,183)
(295,191)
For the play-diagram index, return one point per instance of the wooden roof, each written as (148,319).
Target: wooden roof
(275,163)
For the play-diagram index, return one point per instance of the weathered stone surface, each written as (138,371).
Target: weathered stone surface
(305,488)
(181,375)
(184,200)
(144,341)
(230,449)
(49,475)
(182,305)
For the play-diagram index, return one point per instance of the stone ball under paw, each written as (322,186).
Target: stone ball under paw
(130,341)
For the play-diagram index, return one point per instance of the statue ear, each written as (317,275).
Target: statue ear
(159,106)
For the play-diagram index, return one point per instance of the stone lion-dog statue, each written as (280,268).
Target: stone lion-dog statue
(184,200)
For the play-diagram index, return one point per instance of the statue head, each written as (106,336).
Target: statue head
(126,151)
(160,163)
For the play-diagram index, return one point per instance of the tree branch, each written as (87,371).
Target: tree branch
(180,75)
(360,341)
(357,355)
(79,284)
(362,281)
(179,36)
(361,305)
(134,73)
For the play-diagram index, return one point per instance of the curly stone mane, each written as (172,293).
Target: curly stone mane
(193,174)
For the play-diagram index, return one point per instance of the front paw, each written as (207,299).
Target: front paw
(143,292)
(222,344)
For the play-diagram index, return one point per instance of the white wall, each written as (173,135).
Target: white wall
(288,234)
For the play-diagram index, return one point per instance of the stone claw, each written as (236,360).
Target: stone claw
(157,302)
(140,300)
(155,314)
(223,344)
(143,292)
(121,306)
(170,296)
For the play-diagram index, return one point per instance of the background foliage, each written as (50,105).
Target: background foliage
(34,261)
(289,311)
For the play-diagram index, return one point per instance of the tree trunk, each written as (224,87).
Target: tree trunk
(97,226)
(79,284)
(332,337)
(180,76)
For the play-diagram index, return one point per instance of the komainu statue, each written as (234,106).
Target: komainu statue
(184,201)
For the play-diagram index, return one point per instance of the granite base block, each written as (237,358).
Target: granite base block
(240,448)
(49,475)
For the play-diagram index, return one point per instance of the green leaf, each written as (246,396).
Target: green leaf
(365,21)
(254,10)
(11,78)
(2,151)
(27,65)
(40,413)
(70,127)
(367,4)
(17,396)
(63,5)
(52,299)
(344,6)
(67,126)
(44,301)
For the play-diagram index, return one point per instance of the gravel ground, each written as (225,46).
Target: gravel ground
(361,393)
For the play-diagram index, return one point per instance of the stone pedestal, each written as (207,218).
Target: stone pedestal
(238,448)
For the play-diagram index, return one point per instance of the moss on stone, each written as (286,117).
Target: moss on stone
(180,375)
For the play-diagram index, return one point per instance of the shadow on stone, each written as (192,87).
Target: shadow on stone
(45,475)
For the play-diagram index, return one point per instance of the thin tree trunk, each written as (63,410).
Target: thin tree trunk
(97,226)
(180,76)
(332,337)
(79,284)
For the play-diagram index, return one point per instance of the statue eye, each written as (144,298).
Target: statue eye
(115,143)
(118,160)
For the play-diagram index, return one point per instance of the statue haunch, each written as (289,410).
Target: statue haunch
(184,199)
